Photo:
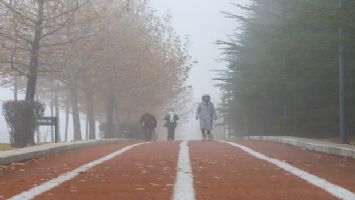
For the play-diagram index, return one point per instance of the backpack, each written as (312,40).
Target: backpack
(171,117)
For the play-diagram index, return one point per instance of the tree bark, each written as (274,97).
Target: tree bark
(117,120)
(91,116)
(52,114)
(86,128)
(33,68)
(76,117)
(67,107)
(56,106)
(110,126)
(15,89)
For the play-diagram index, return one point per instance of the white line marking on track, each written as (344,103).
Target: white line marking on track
(184,186)
(331,188)
(46,186)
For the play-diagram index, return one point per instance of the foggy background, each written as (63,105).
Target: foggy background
(203,23)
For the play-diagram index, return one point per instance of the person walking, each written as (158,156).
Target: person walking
(206,114)
(149,123)
(170,123)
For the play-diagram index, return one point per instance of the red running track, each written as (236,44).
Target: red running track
(219,171)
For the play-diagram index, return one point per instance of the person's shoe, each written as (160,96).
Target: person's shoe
(204,137)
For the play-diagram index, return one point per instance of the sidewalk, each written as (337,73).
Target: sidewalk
(312,144)
(18,155)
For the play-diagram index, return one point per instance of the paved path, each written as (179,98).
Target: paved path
(240,169)
(345,150)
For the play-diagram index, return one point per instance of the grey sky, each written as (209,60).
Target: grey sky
(204,23)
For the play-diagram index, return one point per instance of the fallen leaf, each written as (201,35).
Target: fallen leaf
(154,184)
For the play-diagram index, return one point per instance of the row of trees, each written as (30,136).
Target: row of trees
(283,76)
(108,59)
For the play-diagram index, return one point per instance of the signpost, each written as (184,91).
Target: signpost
(49,121)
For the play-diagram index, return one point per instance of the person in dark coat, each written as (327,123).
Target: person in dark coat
(170,123)
(206,113)
(149,123)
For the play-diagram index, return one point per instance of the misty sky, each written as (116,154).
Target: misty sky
(204,23)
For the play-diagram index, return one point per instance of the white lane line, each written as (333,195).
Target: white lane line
(46,186)
(331,188)
(184,186)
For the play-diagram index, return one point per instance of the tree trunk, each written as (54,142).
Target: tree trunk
(110,126)
(86,128)
(52,114)
(56,105)
(76,117)
(33,67)
(117,120)
(91,116)
(38,127)
(15,89)
(67,107)
(33,70)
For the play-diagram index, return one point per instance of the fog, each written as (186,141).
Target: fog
(282,67)
(201,22)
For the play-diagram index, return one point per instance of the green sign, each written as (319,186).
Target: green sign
(47,121)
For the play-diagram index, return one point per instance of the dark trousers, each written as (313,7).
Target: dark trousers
(171,133)
(148,133)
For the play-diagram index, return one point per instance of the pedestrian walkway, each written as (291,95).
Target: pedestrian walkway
(312,144)
(194,170)
(23,154)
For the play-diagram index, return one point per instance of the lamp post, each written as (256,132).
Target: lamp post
(342,113)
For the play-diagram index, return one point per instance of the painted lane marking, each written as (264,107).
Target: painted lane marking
(184,186)
(48,185)
(331,188)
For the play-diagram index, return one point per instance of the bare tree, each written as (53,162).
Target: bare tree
(36,22)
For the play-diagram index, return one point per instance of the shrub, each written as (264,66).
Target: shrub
(21,120)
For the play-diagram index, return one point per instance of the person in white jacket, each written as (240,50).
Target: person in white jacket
(170,123)
(206,114)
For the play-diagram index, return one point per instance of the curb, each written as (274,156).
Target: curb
(19,155)
(314,145)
